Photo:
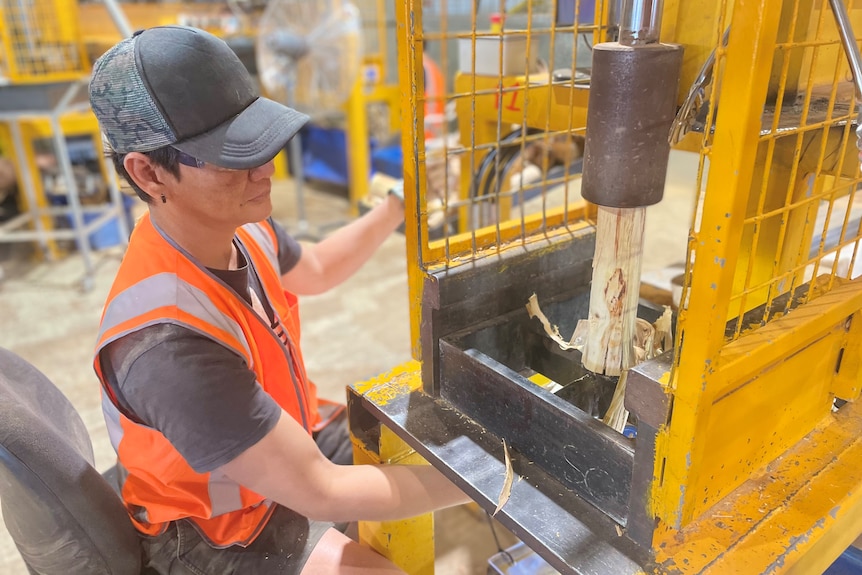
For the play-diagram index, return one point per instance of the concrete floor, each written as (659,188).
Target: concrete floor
(352,333)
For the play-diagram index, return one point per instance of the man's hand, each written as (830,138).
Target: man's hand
(397,190)
(382,186)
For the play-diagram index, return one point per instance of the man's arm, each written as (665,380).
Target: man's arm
(324,265)
(287,467)
(197,393)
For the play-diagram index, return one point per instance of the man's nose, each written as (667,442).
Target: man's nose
(264,171)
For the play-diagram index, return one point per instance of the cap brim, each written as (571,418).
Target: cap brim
(249,139)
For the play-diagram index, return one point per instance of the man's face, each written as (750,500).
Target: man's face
(222,197)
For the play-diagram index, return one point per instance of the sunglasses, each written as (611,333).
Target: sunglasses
(192,162)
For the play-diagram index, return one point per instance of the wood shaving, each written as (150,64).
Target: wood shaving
(663,336)
(507,482)
(648,342)
(617,415)
(578,337)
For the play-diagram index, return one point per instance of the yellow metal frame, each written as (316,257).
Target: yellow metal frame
(407,543)
(721,391)
(496,101)
(483,105)
(752,474)
(712,278)
(39,128)
(755,471)
(41,42)
(412,81)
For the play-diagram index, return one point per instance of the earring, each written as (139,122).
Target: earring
(164,199)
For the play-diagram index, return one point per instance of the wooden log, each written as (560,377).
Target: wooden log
(614,290)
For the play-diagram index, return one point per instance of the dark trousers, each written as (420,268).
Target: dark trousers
(282,548)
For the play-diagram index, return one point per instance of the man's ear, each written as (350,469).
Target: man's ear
(148,176)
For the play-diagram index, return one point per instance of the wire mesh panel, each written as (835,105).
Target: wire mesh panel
(802,214)
(40,41)
(498,121)
(774,246)
(768,327)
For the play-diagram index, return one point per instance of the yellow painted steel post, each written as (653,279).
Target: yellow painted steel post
(358,158)
(382,91)
(408,17)
(848,380)
(29,134)
(744,86)
(281,169)
(8,65)
(408,543)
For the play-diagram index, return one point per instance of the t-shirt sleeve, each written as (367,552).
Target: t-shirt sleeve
(289,250)
(199,394)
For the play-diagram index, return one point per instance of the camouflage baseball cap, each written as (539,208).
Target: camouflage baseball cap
(183,87)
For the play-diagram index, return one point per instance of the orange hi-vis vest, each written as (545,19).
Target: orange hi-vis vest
(158,282)
(435,91)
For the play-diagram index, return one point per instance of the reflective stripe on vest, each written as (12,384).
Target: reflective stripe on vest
(147,296)
(160,283)
(263,237)
(112,421)
(266,241)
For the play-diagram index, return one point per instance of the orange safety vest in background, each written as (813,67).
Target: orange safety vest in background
(158,282)
(435,107)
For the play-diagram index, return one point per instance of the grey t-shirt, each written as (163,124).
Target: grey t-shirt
(199,394)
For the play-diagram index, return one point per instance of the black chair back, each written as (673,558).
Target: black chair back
(62,514)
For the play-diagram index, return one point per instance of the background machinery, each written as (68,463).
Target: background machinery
(744,441)
(46,51)
(308,58)
(44,121)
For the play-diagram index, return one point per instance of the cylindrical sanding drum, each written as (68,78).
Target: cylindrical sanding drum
(632,104)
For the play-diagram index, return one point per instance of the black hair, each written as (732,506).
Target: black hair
(165,157)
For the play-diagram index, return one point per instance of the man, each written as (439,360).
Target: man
(204,388)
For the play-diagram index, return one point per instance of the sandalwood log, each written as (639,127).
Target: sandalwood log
(609,348)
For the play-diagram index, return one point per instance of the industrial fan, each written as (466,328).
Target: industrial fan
(308,57)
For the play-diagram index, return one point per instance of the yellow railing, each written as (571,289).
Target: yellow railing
(40,41)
